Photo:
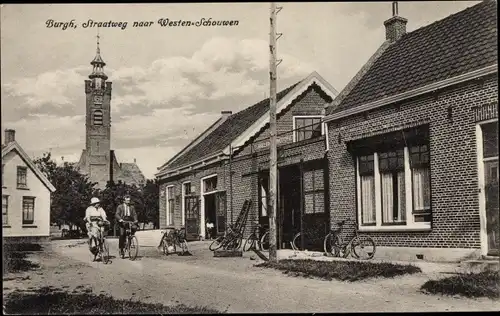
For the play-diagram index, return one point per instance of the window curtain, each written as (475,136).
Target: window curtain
(421,189)
(368,199)
(388,192)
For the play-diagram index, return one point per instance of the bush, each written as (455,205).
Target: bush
(484,284)
(341,270)
(46,300)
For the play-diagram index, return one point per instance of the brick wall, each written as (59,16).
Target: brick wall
(454,183)
(195,178)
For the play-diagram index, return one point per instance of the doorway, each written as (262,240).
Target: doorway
(489,174)
(210,212)
(289,192)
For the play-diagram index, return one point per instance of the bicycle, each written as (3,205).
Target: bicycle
(253,240)
(102,244)
(334,245)
(311,235)
(231,240)
(131,242)
(174,238)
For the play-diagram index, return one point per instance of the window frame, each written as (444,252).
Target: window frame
(6,214)
(295,130)
(170,212)
(19,184)
(25,221)
(183,202)
(410,224)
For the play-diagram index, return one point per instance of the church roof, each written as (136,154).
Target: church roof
(130,173)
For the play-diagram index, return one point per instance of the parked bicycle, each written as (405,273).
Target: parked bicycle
(174,239)
(102,244)
(131,243)
(312,236)
(254,241)
(359,246)
(230,241)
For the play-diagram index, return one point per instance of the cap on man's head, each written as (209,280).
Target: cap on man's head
(94,200)
(126,196)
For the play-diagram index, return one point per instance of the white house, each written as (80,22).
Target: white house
(26,195)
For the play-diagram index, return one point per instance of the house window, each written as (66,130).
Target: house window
(392,177)
(186,190)
(421,182)
(263,196)
(367,189)
(5,210)
(28,210)
(170,205)
(98,117)
(210,184)
(22,177)
(393,183)
(307,127)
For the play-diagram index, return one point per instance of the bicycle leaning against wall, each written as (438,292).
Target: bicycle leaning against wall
(254,241)
(230,241)
(358,246)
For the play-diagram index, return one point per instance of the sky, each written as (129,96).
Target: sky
(171,83)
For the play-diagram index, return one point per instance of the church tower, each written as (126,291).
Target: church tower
(97,153)
(98,161)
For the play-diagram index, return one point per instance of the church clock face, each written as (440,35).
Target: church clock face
(98,99)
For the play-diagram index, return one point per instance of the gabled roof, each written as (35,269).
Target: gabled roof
(222,136)
(27,160)
(130,173)
(459,44)
(241,126)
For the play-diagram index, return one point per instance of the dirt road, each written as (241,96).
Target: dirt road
(231,284)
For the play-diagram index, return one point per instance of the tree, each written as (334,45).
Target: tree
(151,202)
(73,191)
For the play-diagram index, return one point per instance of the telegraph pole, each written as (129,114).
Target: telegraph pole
(273,168)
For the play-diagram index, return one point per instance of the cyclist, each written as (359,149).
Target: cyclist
(95,220)
(126,212)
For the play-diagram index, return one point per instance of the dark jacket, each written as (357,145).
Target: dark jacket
(120,212)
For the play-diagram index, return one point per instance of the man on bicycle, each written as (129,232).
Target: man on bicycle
(125,212)
(95,220)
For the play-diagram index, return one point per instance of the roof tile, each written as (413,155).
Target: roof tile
(230,129)
(461,43)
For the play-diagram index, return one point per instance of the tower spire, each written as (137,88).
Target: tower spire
(98,64)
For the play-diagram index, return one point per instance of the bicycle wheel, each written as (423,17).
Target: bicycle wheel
(331,245)
(216,244)
(133,248)
(234,243)
(249,243)
(105,251)
(296,242)
(264,242)
(363,247)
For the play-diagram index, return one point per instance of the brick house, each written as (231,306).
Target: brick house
(210,179)
(413,140)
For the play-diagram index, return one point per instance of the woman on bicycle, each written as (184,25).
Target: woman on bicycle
(95,219)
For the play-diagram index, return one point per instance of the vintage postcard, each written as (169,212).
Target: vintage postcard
(258,157)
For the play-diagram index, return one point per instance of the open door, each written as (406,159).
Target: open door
(192,203)
(221,207)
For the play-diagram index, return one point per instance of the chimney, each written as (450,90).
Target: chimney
(10,136)
(135,160)
(225,114)
(395,27)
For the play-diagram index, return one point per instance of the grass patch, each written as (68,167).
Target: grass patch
(14,262)
(340,270)
(48,300)
(484,284)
